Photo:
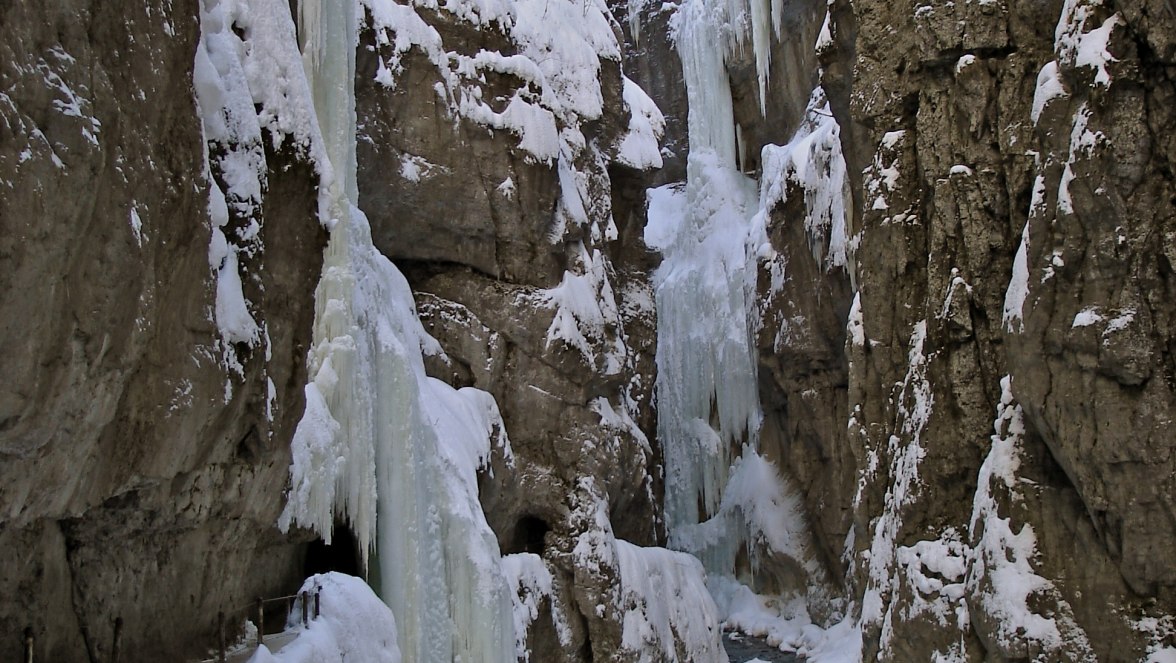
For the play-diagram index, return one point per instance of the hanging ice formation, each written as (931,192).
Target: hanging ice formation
(707,394)
(712,236)
(380,444)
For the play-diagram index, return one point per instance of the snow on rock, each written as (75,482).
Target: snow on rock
(250,86)
(1081,39)
(586,312)
(382,445)
(233,318)
(813,162)
(934,572)
(1049,87)
(561,45)
(1018,289)
(668,612)
(881,177)
(1159,631)
(639,148)
(1001,578)
(532,585)
(1087,317)
(855,325)
(354,625)
(905,450)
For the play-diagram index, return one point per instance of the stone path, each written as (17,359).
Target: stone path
(742,648)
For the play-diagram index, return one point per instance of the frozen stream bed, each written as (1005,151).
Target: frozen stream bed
(744,648)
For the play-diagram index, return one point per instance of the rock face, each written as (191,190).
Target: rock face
(143,453)
(1011,198)
(972,401)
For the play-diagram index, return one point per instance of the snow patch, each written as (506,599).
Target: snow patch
(1086,318)
(668,613)
(1018,289)
(1080,40)
(1049,87)
(531,584)
(639,147)
(812,161)
(1001,576)
(353,625)
(137,227)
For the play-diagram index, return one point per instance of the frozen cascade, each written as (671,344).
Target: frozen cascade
(391,450)
(712,236)
(707,394)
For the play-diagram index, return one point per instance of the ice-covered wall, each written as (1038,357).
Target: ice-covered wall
(393,451)
(726,502)
(711,234)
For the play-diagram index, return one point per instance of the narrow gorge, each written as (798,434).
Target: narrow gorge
(569,331)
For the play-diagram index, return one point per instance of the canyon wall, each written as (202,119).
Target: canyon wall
(970,388)
(161,246)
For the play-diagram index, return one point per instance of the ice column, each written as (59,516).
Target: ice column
(707,394)
(393,451)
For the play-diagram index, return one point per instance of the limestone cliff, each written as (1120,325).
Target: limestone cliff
(143,450)
(962,308)
(1008,187)
(1013,201)
(161,248)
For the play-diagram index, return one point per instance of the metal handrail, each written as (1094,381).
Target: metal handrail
(30,640)
(258,606)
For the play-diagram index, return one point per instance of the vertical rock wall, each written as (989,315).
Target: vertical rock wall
(143,454)
(1011,190)
(996,341)
(522,273)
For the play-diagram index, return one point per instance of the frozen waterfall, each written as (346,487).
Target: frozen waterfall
(721,496)
(392,451)
(705,290)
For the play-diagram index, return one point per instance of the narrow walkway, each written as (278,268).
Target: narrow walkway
(274,642)
(743,648)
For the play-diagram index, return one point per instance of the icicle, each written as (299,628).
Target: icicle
(707,394)
(393,451)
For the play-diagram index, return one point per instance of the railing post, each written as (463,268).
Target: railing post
(260,622)
(317,592)
(304,608)
(220,631)
(28,644)
(116,648)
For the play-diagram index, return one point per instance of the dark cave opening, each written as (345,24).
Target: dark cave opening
(341,555)
(529,536)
